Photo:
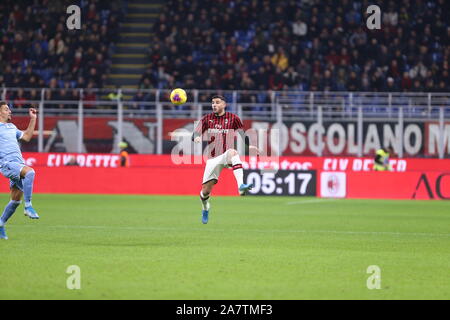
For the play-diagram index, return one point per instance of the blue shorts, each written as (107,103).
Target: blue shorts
(11,170)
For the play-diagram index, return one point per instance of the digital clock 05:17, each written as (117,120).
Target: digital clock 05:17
(282,182)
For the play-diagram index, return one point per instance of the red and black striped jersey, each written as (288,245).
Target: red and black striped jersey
(221,131)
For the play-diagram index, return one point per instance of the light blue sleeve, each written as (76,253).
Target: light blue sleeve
(19,134)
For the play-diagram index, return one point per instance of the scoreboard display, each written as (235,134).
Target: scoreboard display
(282,182)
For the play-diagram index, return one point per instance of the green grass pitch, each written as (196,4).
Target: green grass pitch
(155,247)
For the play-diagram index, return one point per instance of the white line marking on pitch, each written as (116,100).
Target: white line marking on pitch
(310,201)
(248,230)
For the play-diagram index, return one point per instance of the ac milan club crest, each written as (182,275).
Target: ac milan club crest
(333,184)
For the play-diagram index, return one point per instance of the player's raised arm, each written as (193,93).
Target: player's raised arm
(28,133)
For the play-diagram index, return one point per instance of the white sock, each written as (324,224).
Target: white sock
(205,201)
(237,169)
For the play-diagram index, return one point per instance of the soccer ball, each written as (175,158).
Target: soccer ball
(178,96)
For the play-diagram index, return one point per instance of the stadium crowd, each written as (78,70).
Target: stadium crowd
(306,45)
(301,45)
(37,49)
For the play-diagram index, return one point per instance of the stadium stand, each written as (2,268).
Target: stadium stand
(129,59)
(287,45)
(300,45)
(37,50)
(255,45)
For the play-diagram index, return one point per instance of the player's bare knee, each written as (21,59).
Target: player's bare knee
(206,191)
(207,188)
(16,195)
(18,199)
(26,170)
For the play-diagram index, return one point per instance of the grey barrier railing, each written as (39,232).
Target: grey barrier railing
(359,110)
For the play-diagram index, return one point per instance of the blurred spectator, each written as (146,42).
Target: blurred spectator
(56,45)
(72,162)
(353,83)
(138,98)
(406,83)
(124,156)
(299,28)
(418,71)
(390,18)
(19,100)
(417,86)
(89,98)
(280,59)
(391,85)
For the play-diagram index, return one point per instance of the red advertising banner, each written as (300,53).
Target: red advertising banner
(170,180)
(348,164)
(338,138)
(151,174)
(407,185)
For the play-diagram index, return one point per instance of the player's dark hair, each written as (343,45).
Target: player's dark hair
(218,96)
(2,103)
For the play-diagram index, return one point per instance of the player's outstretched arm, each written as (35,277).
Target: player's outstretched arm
(28,133)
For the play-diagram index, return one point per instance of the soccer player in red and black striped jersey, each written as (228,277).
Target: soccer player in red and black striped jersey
(221,127)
